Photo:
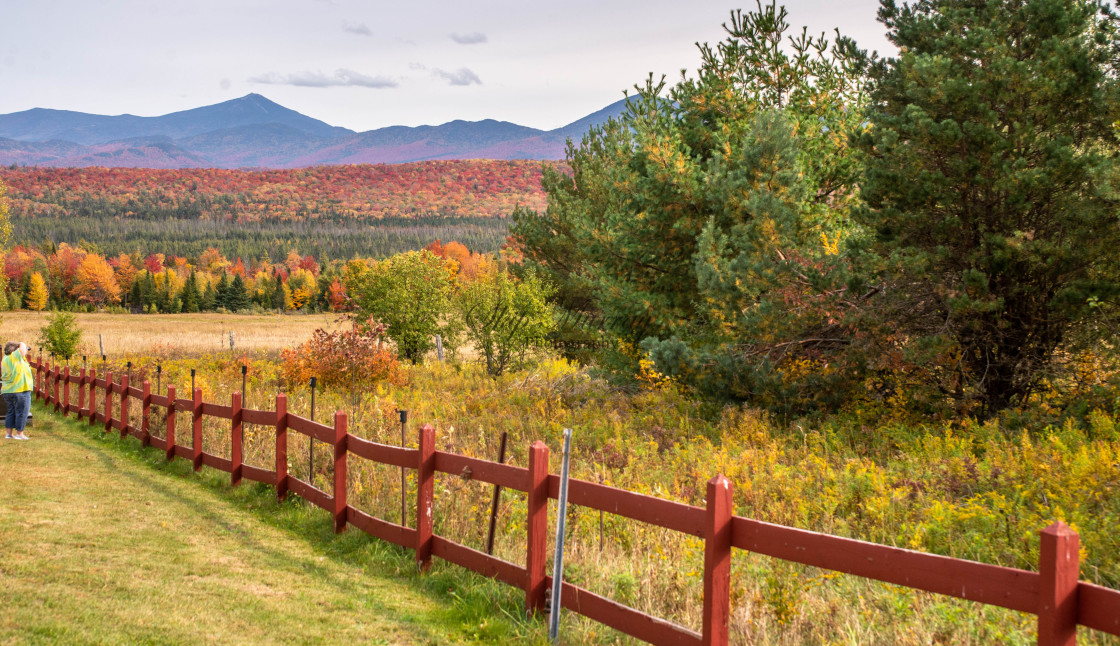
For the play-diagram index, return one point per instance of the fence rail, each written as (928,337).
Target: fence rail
(1055,594)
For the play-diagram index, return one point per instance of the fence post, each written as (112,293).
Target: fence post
(57,399)
(108,401)
(146,415)
(340,450)
(92,396)
(237,434)
(38,378)
(1059,570)
(425,490)
(170,428)
(66,391)
(536,522)
(196,429)
(81,390)
(124,405)
(281,447)
(717,562)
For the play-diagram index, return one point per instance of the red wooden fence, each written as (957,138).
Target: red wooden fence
(1054,593)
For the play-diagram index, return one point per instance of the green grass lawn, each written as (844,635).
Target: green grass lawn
(102,542)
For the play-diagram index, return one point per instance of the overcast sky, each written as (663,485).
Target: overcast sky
(368,64)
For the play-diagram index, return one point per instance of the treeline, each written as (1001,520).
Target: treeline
(112,236)
(72,277)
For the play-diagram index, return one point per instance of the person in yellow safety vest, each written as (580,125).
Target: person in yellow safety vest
(15,372)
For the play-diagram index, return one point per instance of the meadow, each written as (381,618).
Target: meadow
(980,491)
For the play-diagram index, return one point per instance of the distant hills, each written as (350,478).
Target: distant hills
(254,132)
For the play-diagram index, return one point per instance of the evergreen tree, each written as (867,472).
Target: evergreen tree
(680,224)
(136,295)
(277,297)
(991,183)
(209,297)
(237,296)
(221,297)
(189,296)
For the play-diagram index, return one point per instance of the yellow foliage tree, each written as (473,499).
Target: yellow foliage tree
(95,282)
(303,288)
(37,293)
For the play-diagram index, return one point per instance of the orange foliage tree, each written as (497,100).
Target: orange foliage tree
(95,282)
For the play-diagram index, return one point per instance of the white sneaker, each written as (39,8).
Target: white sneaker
(21,436)
(9,437)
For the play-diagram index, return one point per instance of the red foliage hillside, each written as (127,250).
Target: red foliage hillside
(471,188)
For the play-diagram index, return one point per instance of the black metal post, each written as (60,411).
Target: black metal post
(497,498)
(244,394)
(192,382)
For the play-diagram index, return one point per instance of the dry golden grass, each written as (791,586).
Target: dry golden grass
(186,333)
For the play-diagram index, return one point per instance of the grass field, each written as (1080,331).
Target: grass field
(102,542)
(965,489)
(180,333)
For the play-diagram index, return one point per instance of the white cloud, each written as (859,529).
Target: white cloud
(461,76)
(340,78)
(473,38)
(360,29)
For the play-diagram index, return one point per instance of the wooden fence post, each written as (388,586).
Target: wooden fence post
(1059,570)
(340,450)
(425,491)
(281,447)
(124,405)
(92,396)
(81,390)
(717,563)
(236,439)
(108,401)
(196,429)
(146,415)
(170,428)
(57,399)
(66,391)
(537,529)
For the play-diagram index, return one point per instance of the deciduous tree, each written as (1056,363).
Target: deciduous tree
(95,282)
(411,294)
(37,293)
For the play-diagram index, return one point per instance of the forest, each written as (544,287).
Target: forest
(355,211)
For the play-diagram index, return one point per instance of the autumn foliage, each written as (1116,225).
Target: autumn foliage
(353,359)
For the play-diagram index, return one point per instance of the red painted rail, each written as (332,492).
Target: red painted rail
(1054,593)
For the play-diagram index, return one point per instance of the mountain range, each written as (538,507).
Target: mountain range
(254,132)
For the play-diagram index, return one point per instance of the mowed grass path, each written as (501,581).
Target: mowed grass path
(102,543)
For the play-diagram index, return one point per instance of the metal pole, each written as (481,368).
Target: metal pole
(244,394)
(311,441)
(192,382)
(496,499)
(128,369)
(404,482)
(558,560)
(159,373)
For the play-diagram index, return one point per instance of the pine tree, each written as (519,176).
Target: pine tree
(237,296)
(991,183)
(189,296)
(221,297)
